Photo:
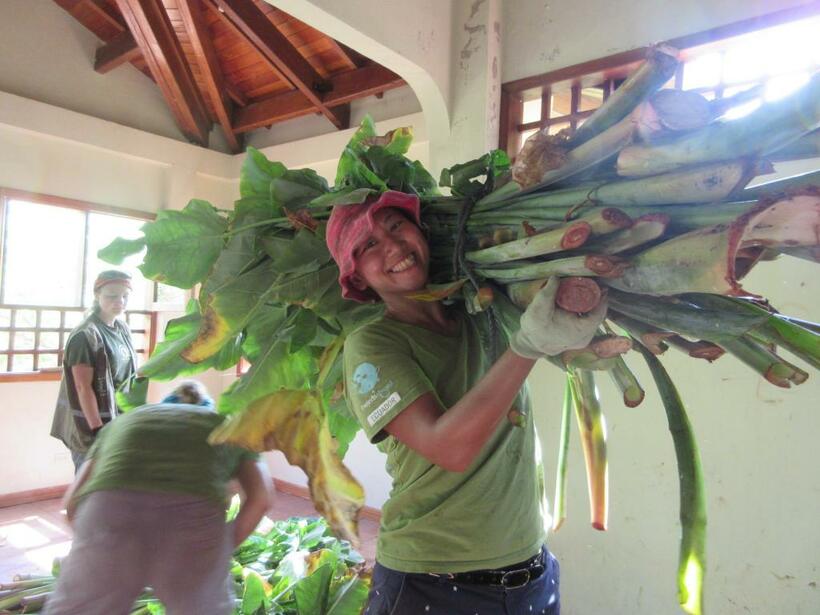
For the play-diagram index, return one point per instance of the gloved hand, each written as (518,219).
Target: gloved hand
(547,330)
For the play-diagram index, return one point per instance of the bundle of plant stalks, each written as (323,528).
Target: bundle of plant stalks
(647,201)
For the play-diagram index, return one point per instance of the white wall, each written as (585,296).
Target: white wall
(49,56)
(542,35)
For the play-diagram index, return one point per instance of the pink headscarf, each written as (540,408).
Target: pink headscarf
(349,225)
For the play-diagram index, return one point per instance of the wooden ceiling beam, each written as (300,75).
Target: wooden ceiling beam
(281,53)
(154,34)
(116,52)
(346,87)
(356,59)
(105,13)
(205,54)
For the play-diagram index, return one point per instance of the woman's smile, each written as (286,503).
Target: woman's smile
(404,264)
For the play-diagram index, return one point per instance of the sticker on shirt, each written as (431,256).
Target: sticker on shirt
(387,405)
(365,377)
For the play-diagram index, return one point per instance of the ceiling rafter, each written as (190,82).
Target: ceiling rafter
(116,52)
(356,59)
(104,12)
(149,25)
(281,53)
(197,29)
(346,87)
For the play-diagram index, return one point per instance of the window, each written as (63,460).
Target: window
(48,257)
(777,52)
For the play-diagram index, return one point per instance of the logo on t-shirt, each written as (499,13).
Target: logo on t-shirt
(365,377)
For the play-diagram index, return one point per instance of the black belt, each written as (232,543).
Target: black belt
(512,577)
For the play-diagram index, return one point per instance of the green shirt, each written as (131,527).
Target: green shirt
(163,447)
(493,514)
(78,352)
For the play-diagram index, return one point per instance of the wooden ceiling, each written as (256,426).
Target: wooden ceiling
(243,64)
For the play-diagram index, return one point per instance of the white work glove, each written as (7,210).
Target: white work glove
(547,330)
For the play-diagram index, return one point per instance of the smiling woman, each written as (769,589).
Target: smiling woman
(463,530)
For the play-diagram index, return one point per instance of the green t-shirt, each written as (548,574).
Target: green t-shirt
(163,447)
(78,352)
(492,515)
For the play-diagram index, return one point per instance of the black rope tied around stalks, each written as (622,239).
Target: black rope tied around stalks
(460,264)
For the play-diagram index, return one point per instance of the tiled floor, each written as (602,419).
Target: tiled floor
(31,535)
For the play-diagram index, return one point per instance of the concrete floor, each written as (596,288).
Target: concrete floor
(32,535)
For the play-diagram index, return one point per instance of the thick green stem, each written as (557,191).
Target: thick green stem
(697,350)
(775,329)
(765,362)
(692,554)
(681,316)
(627,383)
(590,265)
(560,499)
(565,237)
(769,128)
(659,67)
(645,229)
(592,428)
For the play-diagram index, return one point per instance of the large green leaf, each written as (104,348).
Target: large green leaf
(344,196)
(297,188)
(132,393)
(227,310)
(305,289)
(274,367)
(233,290)
(120,249)
(342,425)
(183,245)
(301,253)
(348,597)
(257,174)
(294,422)
(312,592)
(463,179)
(166,362)
(255,594)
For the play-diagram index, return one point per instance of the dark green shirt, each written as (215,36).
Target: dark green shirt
(164,447)
(78,351)
(491,515)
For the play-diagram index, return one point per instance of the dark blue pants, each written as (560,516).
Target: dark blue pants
(400,593)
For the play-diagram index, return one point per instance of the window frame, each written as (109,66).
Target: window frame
(53,374)
(604,71)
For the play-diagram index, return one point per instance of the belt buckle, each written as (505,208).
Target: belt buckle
(509,580)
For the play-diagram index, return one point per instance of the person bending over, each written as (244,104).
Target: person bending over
(148,509)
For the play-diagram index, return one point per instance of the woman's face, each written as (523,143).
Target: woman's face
(394,258)
(113,299)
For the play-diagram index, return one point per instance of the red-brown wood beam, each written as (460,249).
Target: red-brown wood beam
(197,29)
(106,13)
(116,52)
(354,57)
(154,34)
(280,52)
(346,87)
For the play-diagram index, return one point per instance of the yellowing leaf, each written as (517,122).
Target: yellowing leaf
(295,423)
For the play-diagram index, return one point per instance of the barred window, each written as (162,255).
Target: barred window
(777,53)
(48,251)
